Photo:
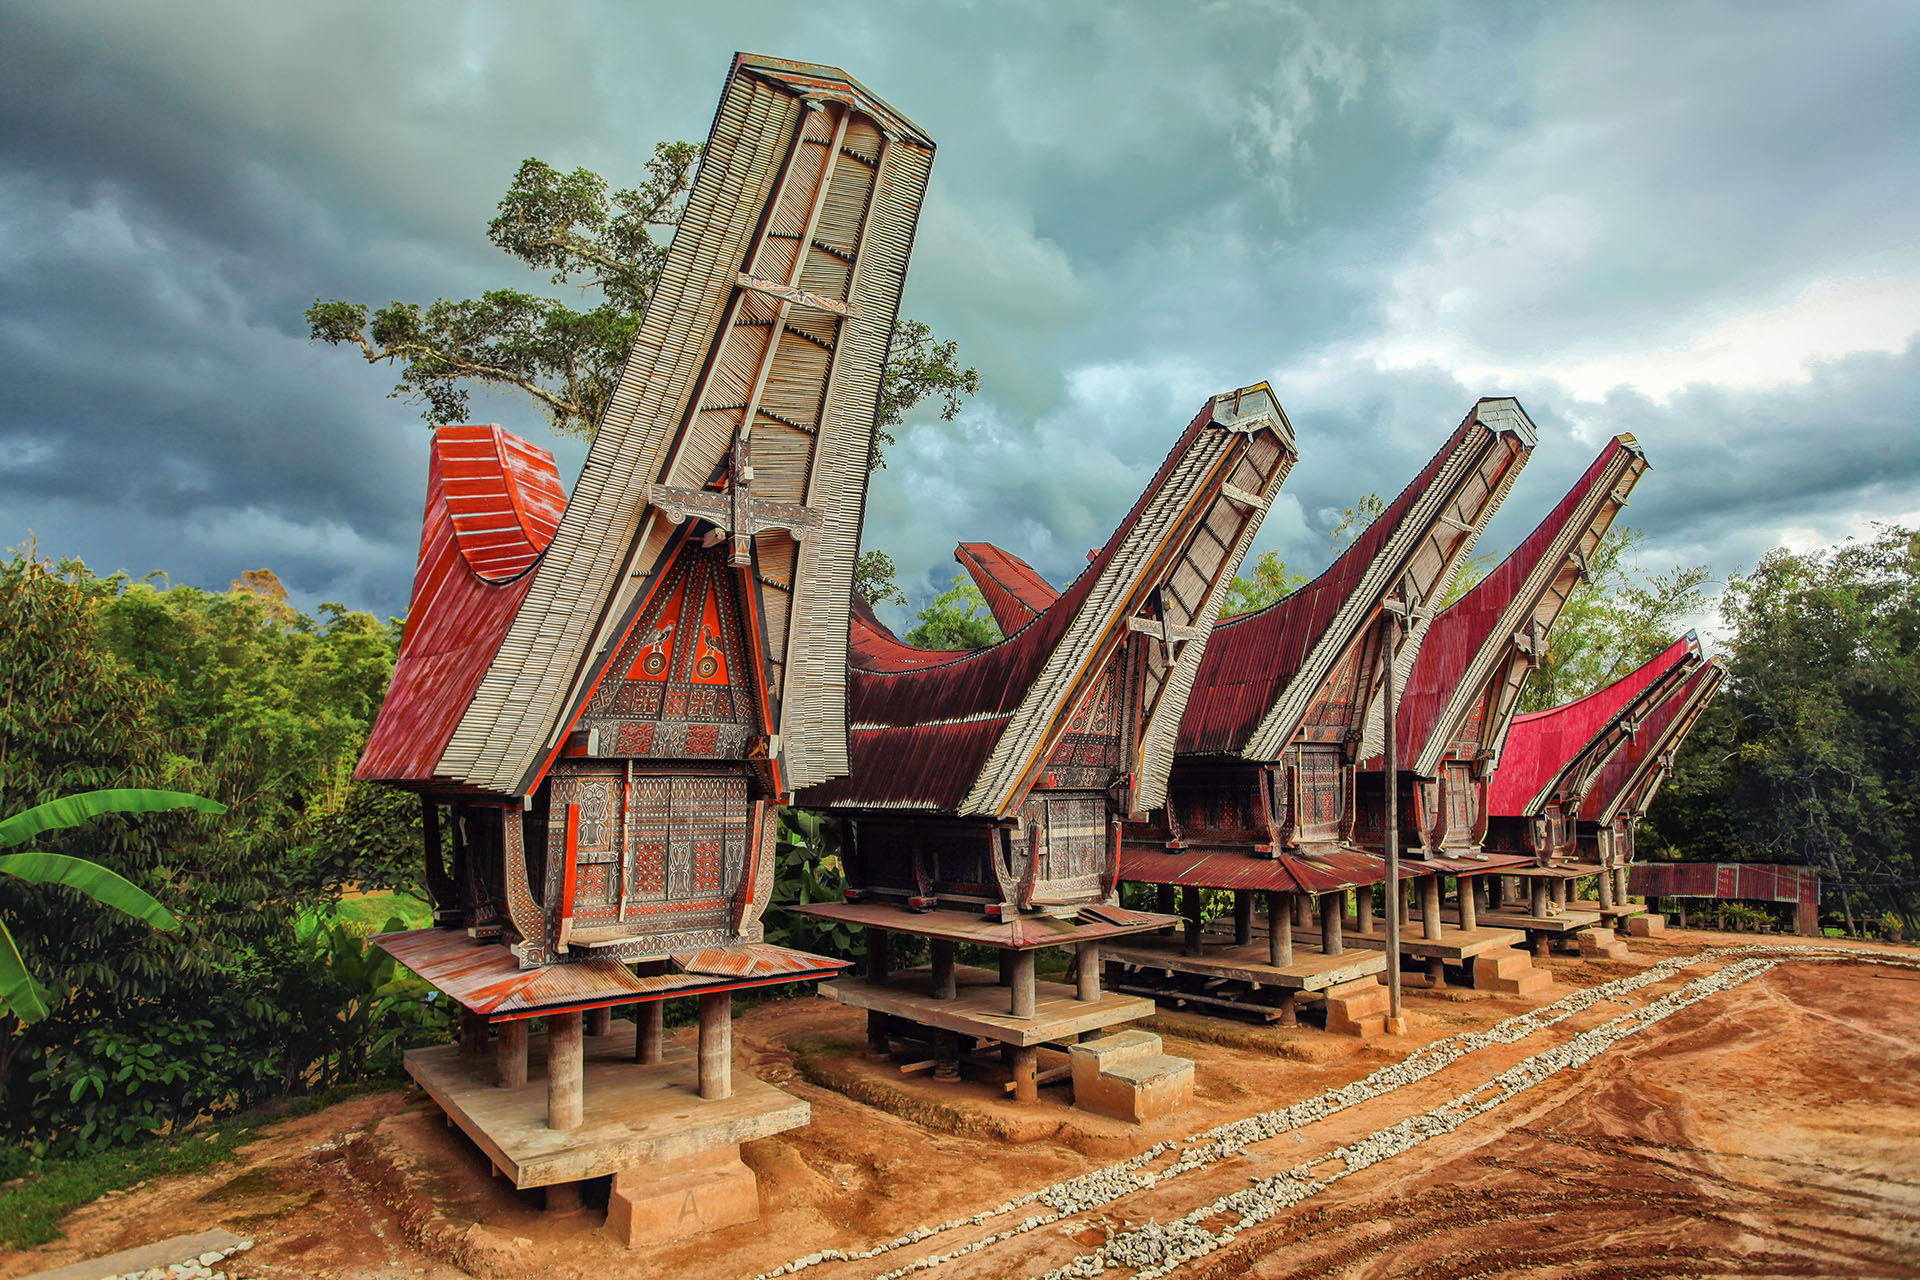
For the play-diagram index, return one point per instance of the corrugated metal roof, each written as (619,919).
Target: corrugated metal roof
(492,502)
(1542,744)
(486,977)
(1014,589)
(1756,881)
(1288,873)
(1473,623)
(1664,728)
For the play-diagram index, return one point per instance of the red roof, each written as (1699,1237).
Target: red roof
(1542,743)
(1462,629)
(920,735)
(1655,735)
(1014,589)
(493,501)
(1252,658)
(872,646)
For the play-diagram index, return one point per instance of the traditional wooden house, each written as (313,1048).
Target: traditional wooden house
(987,788)
(603,699)
(1615,805)
(1261,798)
(1461,696)
(1549,763)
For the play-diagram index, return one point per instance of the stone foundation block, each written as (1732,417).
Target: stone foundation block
(1125,1075)
(675,1199)
(1602,944)
(1357,1008)
(1510,972)
(1647,925)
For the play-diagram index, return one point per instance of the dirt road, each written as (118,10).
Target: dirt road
(1729,1115)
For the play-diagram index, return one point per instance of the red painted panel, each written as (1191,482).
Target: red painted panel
(1014,589)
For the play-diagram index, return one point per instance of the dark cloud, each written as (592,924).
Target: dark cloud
(1687,223)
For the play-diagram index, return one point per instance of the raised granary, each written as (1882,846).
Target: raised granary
(1461,696)
(987,788)
(1261,799)
(602,700)
(1550,762)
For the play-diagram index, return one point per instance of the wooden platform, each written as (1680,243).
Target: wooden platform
(1568,921)
(1455,944)
(634,1115)
(980,1008)
(1622,913)
(1021,933)
(1310,971)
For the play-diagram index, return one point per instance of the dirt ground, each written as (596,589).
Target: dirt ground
(1770,1129)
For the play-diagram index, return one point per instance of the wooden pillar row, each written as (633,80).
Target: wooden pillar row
(1279,929)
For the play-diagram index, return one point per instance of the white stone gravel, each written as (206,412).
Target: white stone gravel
(1155,1249)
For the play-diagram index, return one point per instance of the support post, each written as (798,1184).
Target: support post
(1191,904)
(1302,905)
(716,1045)
(599,1021)
(1022,1005)
(566,1071)
(1620,884)
(473,1034)
(1279,928)
(1606,887)
(1242,917)
(946,1055)
(650,1031)
(1557,892)
(512,1060)
(1390,770)
(1165,903)
(1331,911)
(1469,890)
(877,974)
(1026,1067)
(1087,970)
(945,986)
(1363,911)
(1288,1016)
(1436,972)
(1430,923)
(1006,968)
(1537,907)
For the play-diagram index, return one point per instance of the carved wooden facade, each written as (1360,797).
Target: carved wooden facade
(1465,687)
(1287,702)
(603,736)
(996,780)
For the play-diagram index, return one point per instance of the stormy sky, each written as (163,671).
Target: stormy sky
(1695,223)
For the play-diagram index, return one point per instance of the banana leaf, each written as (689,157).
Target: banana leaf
(20,995)
(103,886)
(71,811)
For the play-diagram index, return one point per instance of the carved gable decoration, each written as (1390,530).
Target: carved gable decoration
(678,686)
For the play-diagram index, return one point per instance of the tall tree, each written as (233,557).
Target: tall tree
(957,618)
(1266,581)
(604,241)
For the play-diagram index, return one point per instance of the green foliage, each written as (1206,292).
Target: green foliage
(71,811)
(957,618)
(1269,580)
(1354,519)
(1811,754)
(566,359)
(1613,622)
(109,684)
(873,579)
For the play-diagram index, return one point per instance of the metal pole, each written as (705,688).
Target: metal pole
(1391,763)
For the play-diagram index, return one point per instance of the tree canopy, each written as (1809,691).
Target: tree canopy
(608,243)
(957,618)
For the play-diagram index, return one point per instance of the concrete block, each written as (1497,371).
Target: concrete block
(1647,925)
(1357,1008)
(1509,971)
(1602,944)
(675,1199)
(1125,1075)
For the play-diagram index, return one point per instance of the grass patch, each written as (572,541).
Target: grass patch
(368,913)
(38,1193)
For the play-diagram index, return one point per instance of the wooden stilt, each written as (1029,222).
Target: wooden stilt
(1022,1004)
(1430,923)
(512,1061)
(566,1064)
(1026,1068)
(1242,917)
(1191,908)
(650,1033)
(1164,902)
(716,1045)
(1279,928)
(1087,970)
(876,972)
(1288,1016)
(1331,911)
(1363,910)
(1468,890)
(1436,972)
(943,979)
(599,1021)
(1301,906)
